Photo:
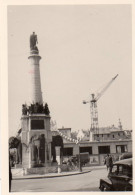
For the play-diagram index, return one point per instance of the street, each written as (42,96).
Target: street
(82,182)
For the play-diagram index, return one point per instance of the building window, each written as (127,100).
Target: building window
(86,149)
(119,134)
(102,135)
(121,148)
(103,149)
(108,135)
(67,151)
(113,136)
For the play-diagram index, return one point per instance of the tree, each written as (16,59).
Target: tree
(16,143)
(74,135)
(53,125)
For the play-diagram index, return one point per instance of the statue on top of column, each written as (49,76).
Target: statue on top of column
(33,42)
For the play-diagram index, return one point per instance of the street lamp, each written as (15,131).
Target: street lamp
(80,167)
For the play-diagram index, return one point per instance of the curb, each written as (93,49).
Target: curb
(49,176)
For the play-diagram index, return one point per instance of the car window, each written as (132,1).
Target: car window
(120,172)
(117,170)
(127,171)
(114,169)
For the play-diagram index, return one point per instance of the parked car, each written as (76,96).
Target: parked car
(120,178)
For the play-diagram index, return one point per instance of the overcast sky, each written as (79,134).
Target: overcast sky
(82,48)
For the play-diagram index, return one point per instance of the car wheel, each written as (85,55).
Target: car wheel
(104,188)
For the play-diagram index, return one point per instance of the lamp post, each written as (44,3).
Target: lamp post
(80,167)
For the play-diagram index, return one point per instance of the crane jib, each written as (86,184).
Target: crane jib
(115,77)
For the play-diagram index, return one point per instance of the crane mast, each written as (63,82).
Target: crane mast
(94,116)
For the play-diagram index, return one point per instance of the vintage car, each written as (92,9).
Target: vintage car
(120,178)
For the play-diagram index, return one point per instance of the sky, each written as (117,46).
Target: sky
(82,48)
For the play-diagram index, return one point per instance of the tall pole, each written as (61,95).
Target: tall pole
(80,167)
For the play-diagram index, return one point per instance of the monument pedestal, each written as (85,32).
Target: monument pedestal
(36,141)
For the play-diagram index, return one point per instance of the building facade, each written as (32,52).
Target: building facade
(114,142)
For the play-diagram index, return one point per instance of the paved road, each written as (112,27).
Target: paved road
(83,182)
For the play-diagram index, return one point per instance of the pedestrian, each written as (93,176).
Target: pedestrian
(81,164)
(108,162)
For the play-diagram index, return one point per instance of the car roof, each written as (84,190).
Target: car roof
(125,162)
(125,156)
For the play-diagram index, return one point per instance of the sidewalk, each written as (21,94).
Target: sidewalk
(62,174)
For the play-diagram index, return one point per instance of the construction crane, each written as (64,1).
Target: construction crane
(93,107)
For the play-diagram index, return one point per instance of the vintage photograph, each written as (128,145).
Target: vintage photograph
(70,97)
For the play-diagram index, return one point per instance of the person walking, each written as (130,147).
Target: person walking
(108,162)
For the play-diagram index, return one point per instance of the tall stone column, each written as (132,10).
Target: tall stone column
(35,83)
(36,134)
